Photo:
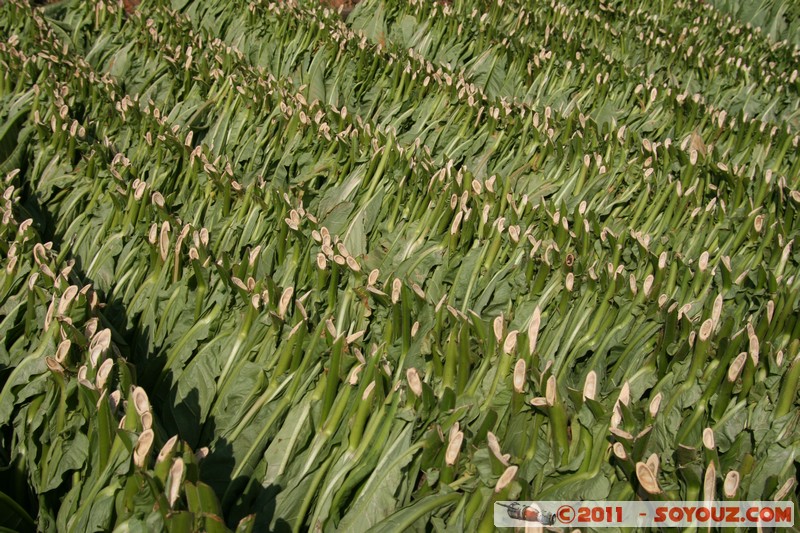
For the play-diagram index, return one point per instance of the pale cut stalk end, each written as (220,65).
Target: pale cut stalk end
(114,399)
(414,383)
(283,303)
(655,404)
(550,391)
(708,439)
(56,367)
(66,299)
(103,373)
(372,279)
(201,454)
(736,367)
(616,416)
(625,394)
(63,350)
(758,223)
(619,451)
(368,391)
(142,448)
(418,291)
(731,484)
(494,447)
(705,329)
(453,448)
(653,464)
(510,344)
(520,371)
(702,263)
(646,479)
(163,241)
(99,344)
(506,478)
(590,386)
(167,449)
(353,337)
(648,284)
(494,444)
(353,264)
(785,489)
(455,428)
(710,483)
(352,378)
(140,401)
(716,310)
(175,481)
(331,328)
(82,379)
(147,420)
(497,326)
(533,329)
(456,223)
(753,349)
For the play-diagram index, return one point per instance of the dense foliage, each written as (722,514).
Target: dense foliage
(779,19)
(264,269)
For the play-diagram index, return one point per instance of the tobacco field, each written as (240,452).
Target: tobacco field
(266,269)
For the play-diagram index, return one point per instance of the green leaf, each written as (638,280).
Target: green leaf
(376,499)
(64,457)
(404,518)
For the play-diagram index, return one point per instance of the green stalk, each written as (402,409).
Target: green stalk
(315,482)
(748,378)
(700,353)
(333,286)
(464,362)
(789,389)
(364,406)
(486,361)
(287,349)
(558,430)
(503,367)
(244,331)
(332,378)
(450,362)
(403,520)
